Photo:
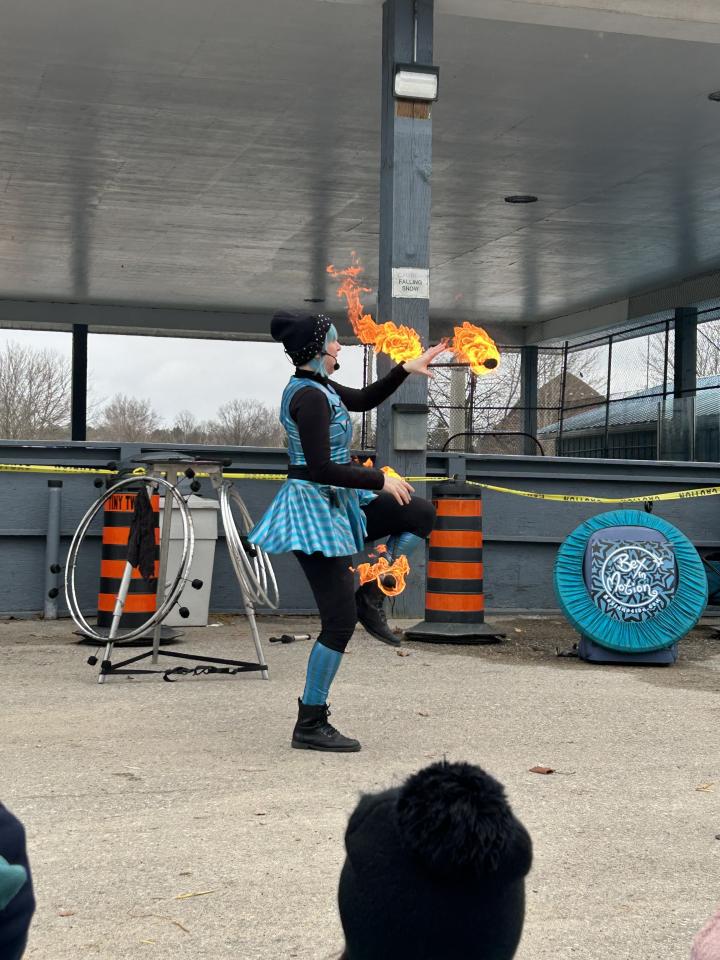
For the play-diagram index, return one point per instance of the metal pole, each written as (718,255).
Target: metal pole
(171,476)
(607,398)
(52,549)
(529,395)
(117,614)
(366,413)
(666,361)
(78,403)
(562,398)
(470,413)
(662,411)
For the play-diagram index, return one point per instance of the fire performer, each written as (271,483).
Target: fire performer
(328,508)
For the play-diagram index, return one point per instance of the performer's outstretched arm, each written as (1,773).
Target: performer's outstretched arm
(371,396)
(374,394)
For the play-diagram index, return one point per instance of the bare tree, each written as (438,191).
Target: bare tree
(186,429)
(483,401)
(492,401)
(127,418)
(708,353)
(34,393)
(246,423)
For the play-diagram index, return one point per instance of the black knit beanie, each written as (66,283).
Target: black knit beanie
(435,870)
(302,334)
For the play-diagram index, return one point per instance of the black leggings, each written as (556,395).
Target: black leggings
(331,578)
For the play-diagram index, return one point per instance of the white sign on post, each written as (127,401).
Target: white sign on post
(411,283)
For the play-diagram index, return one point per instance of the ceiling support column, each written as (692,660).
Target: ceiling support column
(677,439)
(78,402)
(403,279)
(685,378)
(529,397)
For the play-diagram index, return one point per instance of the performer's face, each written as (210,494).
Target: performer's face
(331,352)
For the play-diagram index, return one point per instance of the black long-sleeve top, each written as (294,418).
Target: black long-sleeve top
(309,409)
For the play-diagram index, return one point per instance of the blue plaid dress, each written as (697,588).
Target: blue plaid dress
(313,517)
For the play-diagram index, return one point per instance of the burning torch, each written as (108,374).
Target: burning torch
(470,344)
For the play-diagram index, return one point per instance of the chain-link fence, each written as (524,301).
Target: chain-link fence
(612,396)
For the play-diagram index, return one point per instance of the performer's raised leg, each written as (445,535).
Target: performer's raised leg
(408,526)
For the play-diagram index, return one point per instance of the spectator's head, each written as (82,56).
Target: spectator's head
(435,868)
(706,945)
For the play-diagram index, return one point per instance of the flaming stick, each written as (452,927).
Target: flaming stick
(471,344)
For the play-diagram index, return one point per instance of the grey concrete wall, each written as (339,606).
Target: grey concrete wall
(521,535)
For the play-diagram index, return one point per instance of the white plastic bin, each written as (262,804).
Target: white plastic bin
(204,517)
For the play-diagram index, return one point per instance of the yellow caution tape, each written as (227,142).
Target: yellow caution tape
(47,468)
(42,468)
(576,498)
(556,497)
(533,495)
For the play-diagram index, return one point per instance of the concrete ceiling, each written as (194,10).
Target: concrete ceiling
(166,164)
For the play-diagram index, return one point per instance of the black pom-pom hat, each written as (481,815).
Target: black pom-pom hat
(435,870)
(302,334)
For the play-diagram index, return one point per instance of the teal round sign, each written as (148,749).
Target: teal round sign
(630,581)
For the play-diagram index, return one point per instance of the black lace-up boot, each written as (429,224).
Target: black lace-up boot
(371,612)
(314,732)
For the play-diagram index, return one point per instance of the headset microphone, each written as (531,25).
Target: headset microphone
(326,354)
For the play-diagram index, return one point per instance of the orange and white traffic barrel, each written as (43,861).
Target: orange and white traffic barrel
(141,599)
(454,598)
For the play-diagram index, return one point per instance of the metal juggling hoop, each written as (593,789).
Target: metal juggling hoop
(252,566)
(178,582)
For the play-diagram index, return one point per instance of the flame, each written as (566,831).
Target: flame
(399,343)
(351,289)
(472,345)
(399,568)
(390,472)
(387,470)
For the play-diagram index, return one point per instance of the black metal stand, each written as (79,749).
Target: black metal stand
(108,668)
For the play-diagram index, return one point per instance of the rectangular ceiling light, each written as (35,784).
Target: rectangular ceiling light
(413,81)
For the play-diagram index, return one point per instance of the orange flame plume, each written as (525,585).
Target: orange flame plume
(472,345)
(388,470)
(399,343)
(399,569)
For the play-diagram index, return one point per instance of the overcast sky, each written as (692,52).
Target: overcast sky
(199,375)
(183,374)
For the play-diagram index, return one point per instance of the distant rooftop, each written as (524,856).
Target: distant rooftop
(637,408)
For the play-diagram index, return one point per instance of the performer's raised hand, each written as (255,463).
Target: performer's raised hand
(421,364)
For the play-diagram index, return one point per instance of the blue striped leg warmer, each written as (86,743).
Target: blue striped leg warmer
(403,543)
(321,669)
